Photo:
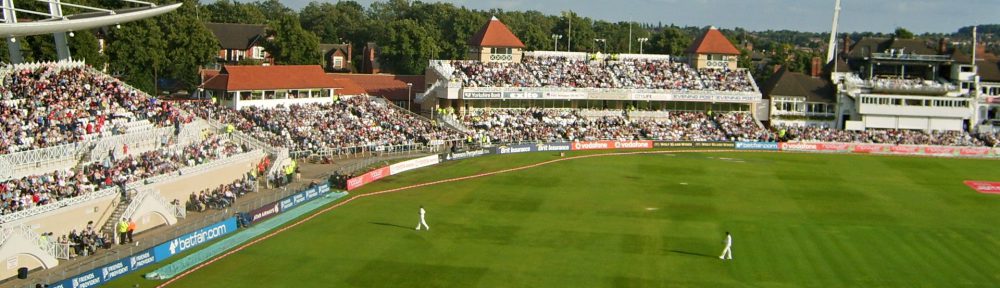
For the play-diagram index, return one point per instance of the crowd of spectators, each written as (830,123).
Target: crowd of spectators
(535,124)
(221,197)
(990,139)
(879,136)
(562,72)
(351,122)
(86,242)
(52,105)
(36,190)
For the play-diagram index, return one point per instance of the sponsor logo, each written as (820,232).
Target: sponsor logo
(757,145)
(265,212)
(867,148)
(553,147)
(939,150)
(988,187)
(973,151)
(633,144)
(412,164)
(834,146)
(666,144)
(141,259)
(590,145)
(904,149)
(114,270)
(180,244)
(798,146)
(468,154)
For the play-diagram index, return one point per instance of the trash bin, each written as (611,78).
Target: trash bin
(22,273)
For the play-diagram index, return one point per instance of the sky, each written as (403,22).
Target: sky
(919,16)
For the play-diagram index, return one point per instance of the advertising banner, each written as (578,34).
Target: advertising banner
(757,146)
(512,149)
(366,178)
(604,145)
(970,151)
(563,146)
(868,148)
(669,144)
(789,146)
(466,155)
(193,239)
(834,147)
(301,197)
(933,150)
(413,164)
(102,275)
(265,212)
(987,187)
(904,149)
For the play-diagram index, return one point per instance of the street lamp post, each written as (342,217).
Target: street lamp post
(642,40)
(602,40)
(555,41)
(409,98)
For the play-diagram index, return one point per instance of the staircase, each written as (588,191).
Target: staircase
(112,222)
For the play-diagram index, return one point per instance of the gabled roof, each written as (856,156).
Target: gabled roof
(713,42)
(787,83)
(237,36)
(389,86)
(236,78)
(988,71)
(867,46)
(495,34)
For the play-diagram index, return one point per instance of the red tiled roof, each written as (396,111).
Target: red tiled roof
(495,34)
(234,78)
(392,87)
(713,42)
(348,87)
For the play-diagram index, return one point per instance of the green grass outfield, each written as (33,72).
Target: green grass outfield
(798,220)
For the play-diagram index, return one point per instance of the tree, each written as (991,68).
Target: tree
(224,11)
(136,52)
(84,46)
(292,45)
(407,47)
(190,45)
(902,33)
(670,41)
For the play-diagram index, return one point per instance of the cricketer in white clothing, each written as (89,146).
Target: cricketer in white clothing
(728,252)
(422,221)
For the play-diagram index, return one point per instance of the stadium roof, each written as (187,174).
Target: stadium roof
(787,83)
(83,21)
(495,34)
(237,78)
(389,86)
(713,42)
(237,36)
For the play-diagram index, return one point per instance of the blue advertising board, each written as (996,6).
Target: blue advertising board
(538,147)
(193,239)
(103,274)
(301,197)
(773,146)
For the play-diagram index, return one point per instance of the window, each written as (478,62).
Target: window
(258,52)
(338,62)
(500,50)
(966,68)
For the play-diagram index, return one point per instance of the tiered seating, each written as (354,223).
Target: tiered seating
(353,122)
(558,72)
(881,136)
(52,104)
(27,192)
(534,124)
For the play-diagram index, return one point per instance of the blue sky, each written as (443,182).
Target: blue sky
(804,15)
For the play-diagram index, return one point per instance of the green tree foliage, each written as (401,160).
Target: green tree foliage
(189,45)
(84,46)
(670,40)
(137,52)
(902,33)
(408,46)
(225,11)
(292,45)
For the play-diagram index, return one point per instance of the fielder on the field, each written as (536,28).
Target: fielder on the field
(422,221)
(728,252)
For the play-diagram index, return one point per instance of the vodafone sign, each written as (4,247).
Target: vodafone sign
(604,145)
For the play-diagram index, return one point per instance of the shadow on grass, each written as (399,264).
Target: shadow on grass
(391,225)
(692,253)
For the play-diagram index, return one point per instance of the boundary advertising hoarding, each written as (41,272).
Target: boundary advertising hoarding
(674,144)
(912,150)
(605,145)
(537,147)
(772,146)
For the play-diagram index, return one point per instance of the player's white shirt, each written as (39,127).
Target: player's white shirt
(422,212)
(729,240)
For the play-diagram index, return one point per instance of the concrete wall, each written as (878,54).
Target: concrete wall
(18,251)
(64,220)
(181,187)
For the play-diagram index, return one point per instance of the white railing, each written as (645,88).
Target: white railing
(134,203)
(35,65)
(50,246)
(138,142)
(13,216)
(37,161)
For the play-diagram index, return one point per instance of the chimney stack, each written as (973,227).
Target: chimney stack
(816,67)
(943,46)
(847,46)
